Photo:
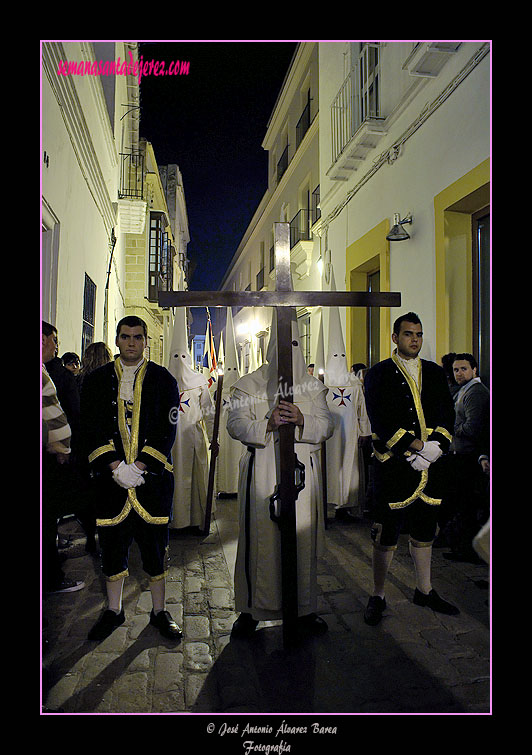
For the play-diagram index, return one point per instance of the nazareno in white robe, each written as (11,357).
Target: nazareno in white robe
(345,466)
(231,450)
(195,422)
(258,564)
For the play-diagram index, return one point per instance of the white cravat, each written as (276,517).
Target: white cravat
(127,381)
(412,367)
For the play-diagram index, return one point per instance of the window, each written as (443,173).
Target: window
(89,309)
(304,336)
(157,255)
(282,165)
(481,292)
(166,274)
(369,80)
(304,122)
(260,274)
(316,209)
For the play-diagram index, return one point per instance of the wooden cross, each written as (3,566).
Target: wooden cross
(285,300)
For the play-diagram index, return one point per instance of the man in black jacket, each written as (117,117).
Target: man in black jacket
(411,414)
(128,417)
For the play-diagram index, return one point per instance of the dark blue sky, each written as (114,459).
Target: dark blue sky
(211,123)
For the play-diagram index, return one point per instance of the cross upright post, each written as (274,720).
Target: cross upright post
(287,482)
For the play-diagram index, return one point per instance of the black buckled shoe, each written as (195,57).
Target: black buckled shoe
(106,624)
(433,600)
(312,624)
(244,626)
(374,609)
(166,625)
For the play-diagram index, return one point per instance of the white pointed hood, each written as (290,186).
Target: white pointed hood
(264,382)
(221,352)
(319,360)
(180,363)
(336,372)
(231,366)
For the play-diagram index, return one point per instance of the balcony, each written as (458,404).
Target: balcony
(427,59)
(131,203)
(356,118)
(300,227)
(131,175)
(301,243)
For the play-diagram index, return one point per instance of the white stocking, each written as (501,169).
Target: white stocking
(422,558)
(114,594)
(158,590)
(381,563)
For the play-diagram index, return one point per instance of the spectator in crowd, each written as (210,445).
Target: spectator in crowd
(468,498)
(447,364)
(71,362)
(56,453)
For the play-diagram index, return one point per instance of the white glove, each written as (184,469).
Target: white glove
(128,475)
(431,450)
(417,462)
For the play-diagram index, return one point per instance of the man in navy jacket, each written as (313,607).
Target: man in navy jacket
(412,417)
(128,417)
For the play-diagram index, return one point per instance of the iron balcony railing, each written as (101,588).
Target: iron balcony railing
(300,227)
(131,175)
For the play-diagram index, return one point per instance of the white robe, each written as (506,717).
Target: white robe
(230,453)
(345,478)
(231,450)
(258,565)
(191,457)
(195,420)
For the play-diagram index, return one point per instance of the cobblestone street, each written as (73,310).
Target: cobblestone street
(415,661)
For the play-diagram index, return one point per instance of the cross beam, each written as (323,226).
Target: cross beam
(279,298)
(284,300)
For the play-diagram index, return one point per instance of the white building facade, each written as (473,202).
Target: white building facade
(405,129)
(100,188)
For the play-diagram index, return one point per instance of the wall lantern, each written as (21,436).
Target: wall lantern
(398,233)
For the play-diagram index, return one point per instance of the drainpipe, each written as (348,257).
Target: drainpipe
(112,245)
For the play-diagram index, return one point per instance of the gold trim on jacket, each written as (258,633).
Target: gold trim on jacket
(424,432)
(130,444)
(102,450)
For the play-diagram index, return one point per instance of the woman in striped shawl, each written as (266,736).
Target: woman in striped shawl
(56,435)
